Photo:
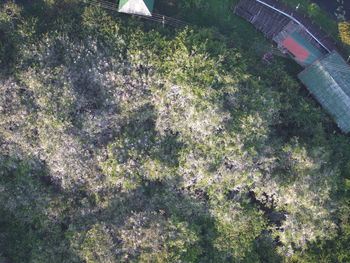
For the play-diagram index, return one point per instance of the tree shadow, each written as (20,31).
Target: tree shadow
(155,196)
(26,230)
(139,129)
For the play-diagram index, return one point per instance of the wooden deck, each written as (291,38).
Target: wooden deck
(269,22)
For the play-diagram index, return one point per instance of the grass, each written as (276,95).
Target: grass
(320,16)
(218,14)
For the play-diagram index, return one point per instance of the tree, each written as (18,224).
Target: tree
(121,141)
(344,31)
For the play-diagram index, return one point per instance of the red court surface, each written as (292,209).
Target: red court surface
(296,49)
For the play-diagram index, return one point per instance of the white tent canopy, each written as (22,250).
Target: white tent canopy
(139,7)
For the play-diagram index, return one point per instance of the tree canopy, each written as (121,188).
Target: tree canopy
(122,141)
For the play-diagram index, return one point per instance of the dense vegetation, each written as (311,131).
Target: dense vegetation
(344,30)
(122,141)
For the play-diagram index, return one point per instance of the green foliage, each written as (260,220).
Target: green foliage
(238,228)
(19,214)
(8,36)
(121,142)
(316,13)
(151,237)
(95,245)
(193,3)
(96,21)
(344,31)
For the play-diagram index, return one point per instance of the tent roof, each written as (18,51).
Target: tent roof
(139,7)
(328,80)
